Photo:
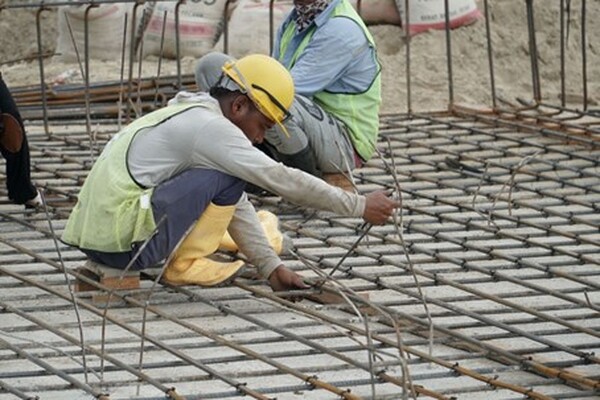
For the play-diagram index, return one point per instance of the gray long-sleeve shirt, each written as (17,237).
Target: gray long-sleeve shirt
(202,137)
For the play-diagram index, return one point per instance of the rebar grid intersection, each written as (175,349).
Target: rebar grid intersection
(509,271)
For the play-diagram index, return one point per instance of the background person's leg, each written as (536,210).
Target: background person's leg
(18,176)
(318,143)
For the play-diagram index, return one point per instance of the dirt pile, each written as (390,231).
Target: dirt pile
(428,57)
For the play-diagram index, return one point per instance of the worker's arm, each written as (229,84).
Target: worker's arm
(247,232)
(235,155)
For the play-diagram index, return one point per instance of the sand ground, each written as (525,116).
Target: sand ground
(429,87)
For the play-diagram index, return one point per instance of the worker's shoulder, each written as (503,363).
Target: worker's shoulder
(342,28)
(217,126)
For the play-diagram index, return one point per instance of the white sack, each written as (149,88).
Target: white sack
(200,23)
(105,29)
(249,26)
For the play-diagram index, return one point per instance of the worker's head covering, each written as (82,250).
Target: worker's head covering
(265,81)
(306,13)
(209,69)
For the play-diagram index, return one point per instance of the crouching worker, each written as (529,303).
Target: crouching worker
(178,175)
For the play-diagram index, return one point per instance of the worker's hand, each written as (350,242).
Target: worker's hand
(379,207)
(283,278)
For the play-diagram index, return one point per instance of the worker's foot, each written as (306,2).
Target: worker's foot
(203,272)
(35,202)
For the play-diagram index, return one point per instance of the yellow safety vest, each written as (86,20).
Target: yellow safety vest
(113,211)
(358,111)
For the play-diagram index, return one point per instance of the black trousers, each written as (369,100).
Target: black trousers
(18,178)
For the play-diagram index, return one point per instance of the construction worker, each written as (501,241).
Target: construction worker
(15,150)
(178,175)
(332,58)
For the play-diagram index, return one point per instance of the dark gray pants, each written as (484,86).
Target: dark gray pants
(18,178)
(318,142)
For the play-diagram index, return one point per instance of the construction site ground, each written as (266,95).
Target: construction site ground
(485,284)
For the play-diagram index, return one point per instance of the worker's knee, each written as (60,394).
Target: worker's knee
(192,190)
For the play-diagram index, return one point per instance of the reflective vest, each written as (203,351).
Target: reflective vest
(113,211)
(358,111)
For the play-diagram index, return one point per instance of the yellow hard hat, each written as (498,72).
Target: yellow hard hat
(268,84)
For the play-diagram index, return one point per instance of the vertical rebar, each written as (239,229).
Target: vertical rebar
(160,55)
(271,26)
(449,54)
(584,55)
(38,27)
(131,60)
(123,50)
(226,27)
(490,52)
(69,287)
(86,60)
(139,88)
(177,43)
(535,73)
(563,100)
(407,36)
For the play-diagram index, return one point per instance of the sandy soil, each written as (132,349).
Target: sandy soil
(428,55)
